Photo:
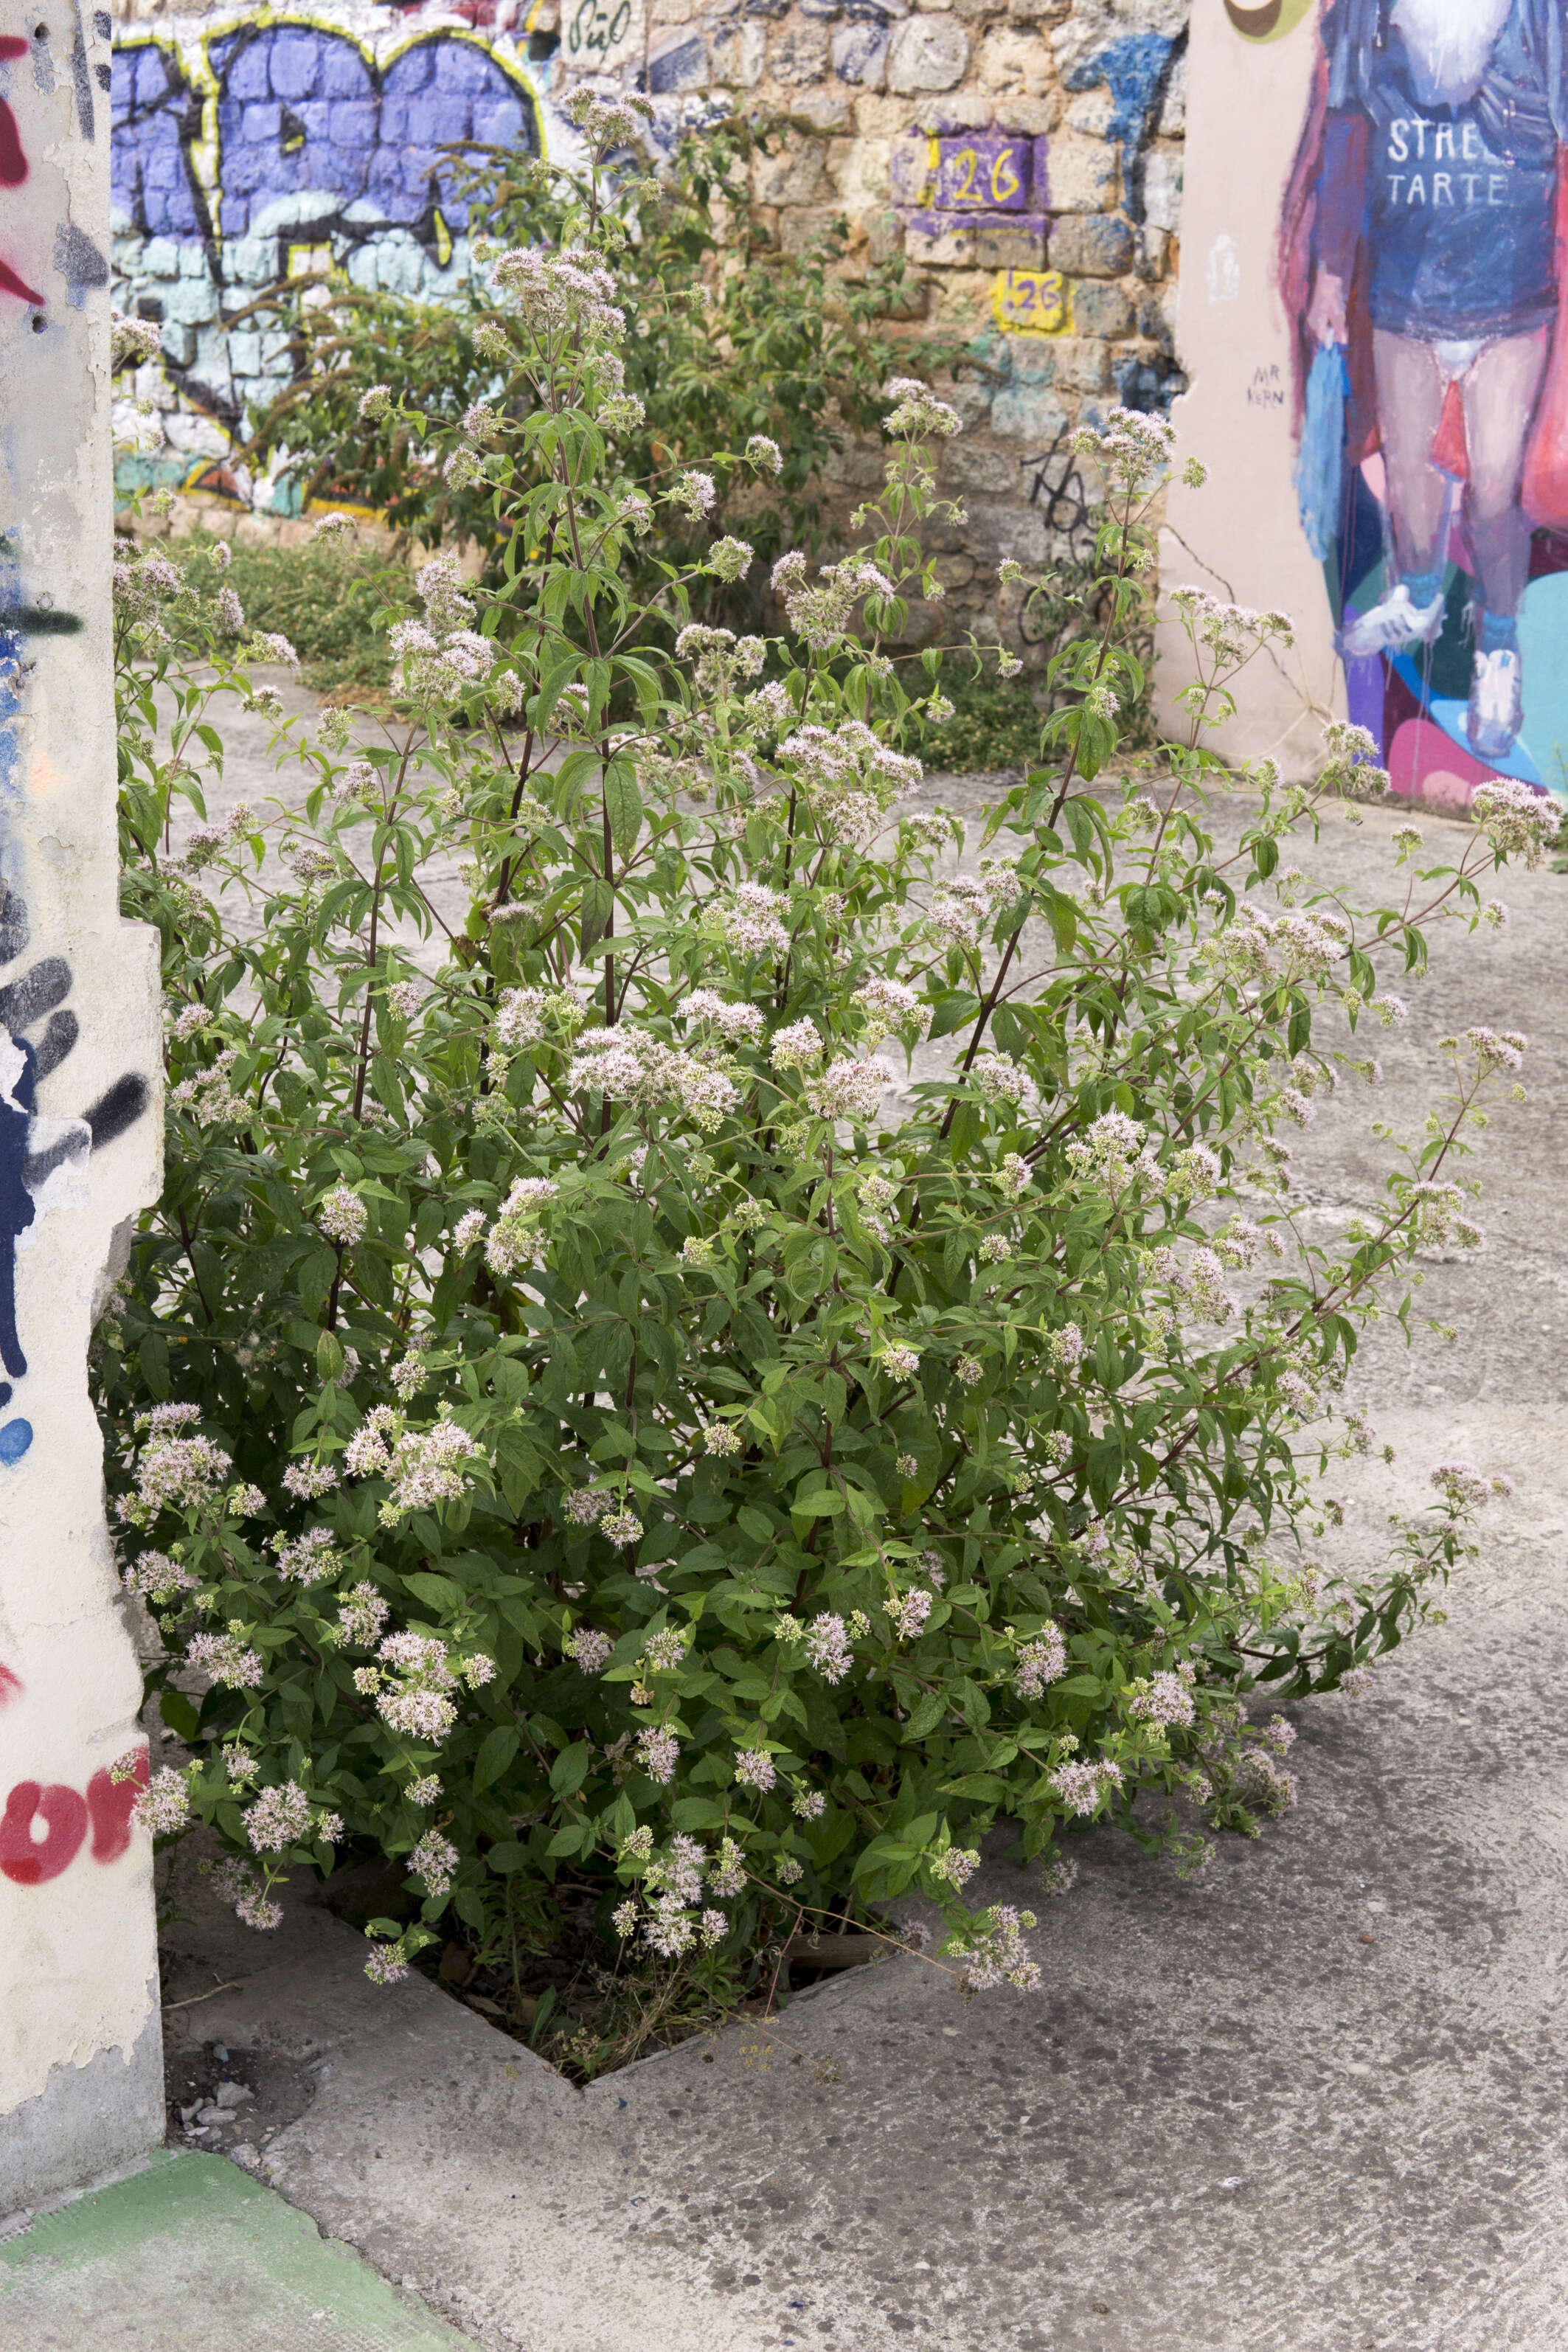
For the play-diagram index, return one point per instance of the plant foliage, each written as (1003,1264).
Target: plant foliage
(704,1333)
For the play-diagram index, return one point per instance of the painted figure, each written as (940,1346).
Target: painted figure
(1421,241)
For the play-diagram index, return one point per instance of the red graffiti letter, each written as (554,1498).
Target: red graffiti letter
(10,1684)
(12,161)
(65,1820)
(13,171)
(110,1802)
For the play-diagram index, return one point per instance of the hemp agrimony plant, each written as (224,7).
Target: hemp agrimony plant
(734,1347)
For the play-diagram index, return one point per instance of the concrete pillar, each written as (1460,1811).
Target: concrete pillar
(81,2048)
(1249,79)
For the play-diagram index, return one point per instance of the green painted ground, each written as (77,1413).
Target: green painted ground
(191,2255)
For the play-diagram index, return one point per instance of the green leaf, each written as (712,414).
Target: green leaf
(597,911)
(438,1593)
(569,1770)
(496,1753)
(179,1714)
(825,1503)
(623,805)
(925,1714)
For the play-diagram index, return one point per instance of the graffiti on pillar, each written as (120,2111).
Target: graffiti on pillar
(40,1157)
(45,1825)
(1423,270)
(278,150)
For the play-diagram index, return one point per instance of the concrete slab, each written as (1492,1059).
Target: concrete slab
(1313,2103)
(188,2251)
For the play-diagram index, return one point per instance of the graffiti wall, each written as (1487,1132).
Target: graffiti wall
(1024,161)
(254,149)
(79,1051)
(1392,319)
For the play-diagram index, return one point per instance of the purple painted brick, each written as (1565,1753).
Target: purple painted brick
(343,168)
(987,173)
(296,63)
(936,223)
(499,122)
(459,66)
(415,70)
(345,73)
(396,182)
(256,125)
(352,123)
(423,115)
(152,77)
(248,75)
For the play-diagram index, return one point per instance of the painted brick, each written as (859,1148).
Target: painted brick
(1102,310)
(1092,245)
(1026,414)
(860,55)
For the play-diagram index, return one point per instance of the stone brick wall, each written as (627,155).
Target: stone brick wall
(1025,156)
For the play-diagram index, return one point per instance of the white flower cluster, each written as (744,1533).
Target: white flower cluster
(1198,1282)
(962,906)
(154,1577)
(516,1238)
(440,657)
(176,1474)
(849,1089)
(1114,1154)
(1041,1660)
(751,922)
(736,1023)
(560,296)
(888,1005)
(210,1097)
(164,1806)
(433,1861)
(413,1685)
(1232,633)
(1256,950)
(1081,1787)
(309,1558)
(1465,1488)
(822,614)
(995,1951)
(847,777)
(235,1882)
(1519,821)
(918,412)
(630,1066)
(1164,1698)
(1132,449)
(674,1880)
(342,1216)
(423,1467)
(226,1658)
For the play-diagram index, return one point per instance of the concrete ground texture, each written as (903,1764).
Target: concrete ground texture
(1312,2102)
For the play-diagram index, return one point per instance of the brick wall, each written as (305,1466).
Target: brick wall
(1026,158)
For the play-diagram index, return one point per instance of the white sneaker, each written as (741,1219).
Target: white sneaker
(1496,704)
(1398,620)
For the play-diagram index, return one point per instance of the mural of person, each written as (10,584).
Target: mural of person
(1422,248)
